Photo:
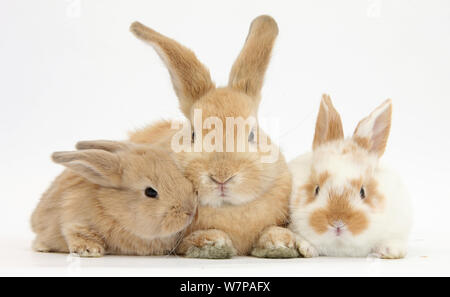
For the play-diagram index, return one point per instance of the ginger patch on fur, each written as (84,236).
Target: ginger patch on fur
(339,209)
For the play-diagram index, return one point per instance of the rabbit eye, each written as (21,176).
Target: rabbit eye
(151,193)
(251,137)
(316,191)
(362,193)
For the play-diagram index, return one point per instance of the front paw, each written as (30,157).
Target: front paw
(207,244)
(306,250)
(390,251)
(39,246)
(275,242)
(87,249)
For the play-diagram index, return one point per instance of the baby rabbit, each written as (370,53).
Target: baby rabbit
(114,198)
(344,203)
(242,199)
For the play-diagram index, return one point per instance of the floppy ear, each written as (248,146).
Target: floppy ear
(328,124)
(191,80)
(372,132)
(247,73)
(97,166)
(106,145)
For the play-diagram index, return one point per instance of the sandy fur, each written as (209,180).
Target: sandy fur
(259,192)
(79,216)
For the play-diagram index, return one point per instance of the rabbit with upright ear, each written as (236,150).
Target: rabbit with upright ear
(344,202)
(114,198)
(242,199)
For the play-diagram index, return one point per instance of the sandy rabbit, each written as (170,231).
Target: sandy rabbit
(242,199)
(114,198)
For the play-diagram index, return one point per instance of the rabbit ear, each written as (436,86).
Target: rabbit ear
(247,73)
(190,78)
(372,132)
(106,145)
(98,166)
(328,124)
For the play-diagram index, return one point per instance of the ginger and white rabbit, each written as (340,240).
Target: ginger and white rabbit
(344,202)
(242,199)
(114,198)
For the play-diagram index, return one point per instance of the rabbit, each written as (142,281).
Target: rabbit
(242,200)
(114,198)
(345,203)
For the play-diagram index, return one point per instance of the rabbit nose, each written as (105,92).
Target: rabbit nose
(338,224)
(220,181)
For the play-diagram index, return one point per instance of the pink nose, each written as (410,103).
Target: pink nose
(220,181)
(221,184)
(338,225)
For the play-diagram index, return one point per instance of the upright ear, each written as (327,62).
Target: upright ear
(328,124)
(191,80)
(106,145)
(247,73)
(98,166)
(372,132)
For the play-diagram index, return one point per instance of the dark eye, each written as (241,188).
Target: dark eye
(316,191)
(151,193)
(193,136)
(362,193)
(251,137)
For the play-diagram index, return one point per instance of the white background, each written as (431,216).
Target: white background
(70,70)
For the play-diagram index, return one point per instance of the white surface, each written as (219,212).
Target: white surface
(18,260)
(70,70)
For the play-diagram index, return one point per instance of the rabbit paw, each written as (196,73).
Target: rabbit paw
(306,250)
(207,244)
(390,251)
(87,249)
(83,241)
(275,242)
(39,246)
